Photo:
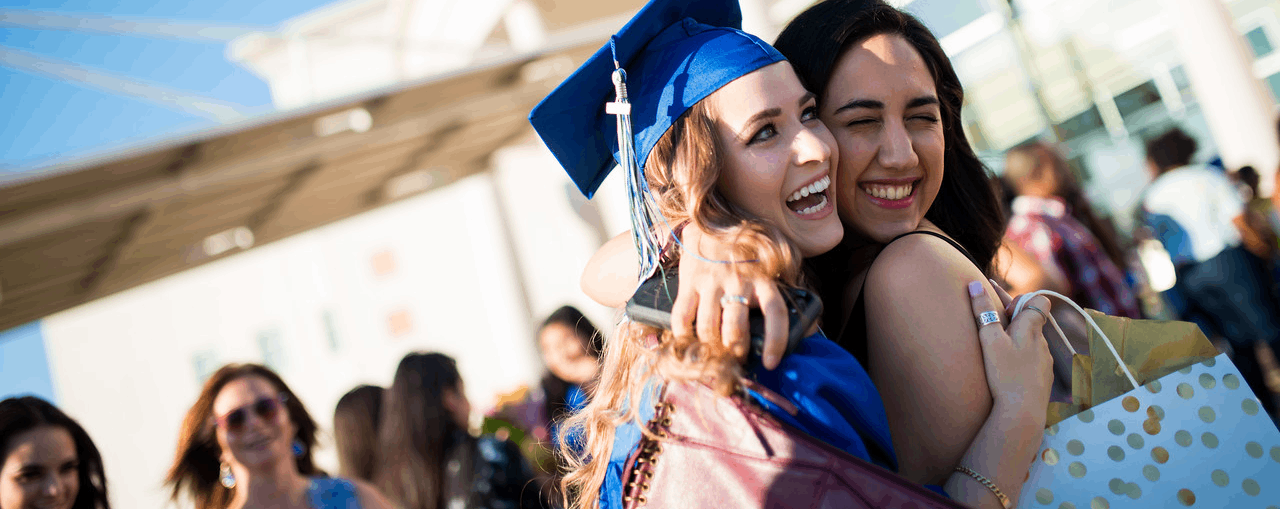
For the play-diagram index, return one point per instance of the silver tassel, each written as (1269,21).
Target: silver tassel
(644,211)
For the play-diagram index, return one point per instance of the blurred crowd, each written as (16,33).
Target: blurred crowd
(248,441)
(1211,223)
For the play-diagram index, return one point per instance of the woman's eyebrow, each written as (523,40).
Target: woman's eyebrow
(861,103)
(879,105)
(769,113)
(927,100)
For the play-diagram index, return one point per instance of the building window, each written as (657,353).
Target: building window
(384,263)
(1082,123)
(204,362)
(1137,98)
(330,329)
(272,350)
(1259,42)
(399,323)
(1273,84)
(946,16)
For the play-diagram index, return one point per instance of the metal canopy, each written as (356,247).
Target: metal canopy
(81,232)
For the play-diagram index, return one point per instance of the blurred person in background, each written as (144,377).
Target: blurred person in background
(355,431)
(570,346)
(47,461)
(1052,220)
(1199,217)
(1014,268)
(1260,213)
(428,458)
(247,442)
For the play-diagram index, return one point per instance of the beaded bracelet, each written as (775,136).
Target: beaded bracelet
(1004,500)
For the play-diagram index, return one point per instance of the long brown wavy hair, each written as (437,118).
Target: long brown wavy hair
(682,171)
(196,463)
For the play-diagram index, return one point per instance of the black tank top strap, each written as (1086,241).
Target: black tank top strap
(853,337)
(953,243)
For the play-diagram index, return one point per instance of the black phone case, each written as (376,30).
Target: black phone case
(651,305)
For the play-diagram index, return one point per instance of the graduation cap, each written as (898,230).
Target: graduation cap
(613,109)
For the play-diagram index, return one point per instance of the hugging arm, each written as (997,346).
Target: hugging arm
(610,278)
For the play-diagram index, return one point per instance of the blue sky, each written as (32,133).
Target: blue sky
(48,120)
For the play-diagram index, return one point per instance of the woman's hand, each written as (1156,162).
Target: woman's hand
(1018,364)
(705,285)
(1019,372)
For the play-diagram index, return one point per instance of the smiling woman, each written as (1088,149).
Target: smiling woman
(247,442)
(47,461)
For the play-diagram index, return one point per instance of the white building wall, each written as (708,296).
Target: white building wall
(126,365)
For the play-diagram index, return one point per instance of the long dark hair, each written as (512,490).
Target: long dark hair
(1039,153)
(356,422)
(198,458)
(554,388)
(966,207)
(418,434)
(23,414)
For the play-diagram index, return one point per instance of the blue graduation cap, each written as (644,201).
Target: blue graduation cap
(614,108)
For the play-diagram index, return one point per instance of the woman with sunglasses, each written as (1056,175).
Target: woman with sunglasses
(47,460)
(247,443)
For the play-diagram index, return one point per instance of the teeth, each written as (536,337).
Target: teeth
(815,208)
(889,192)
(816,187)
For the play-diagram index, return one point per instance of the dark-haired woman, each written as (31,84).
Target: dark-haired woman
(247,443)
(570,346)
(428,458)
(920,221)
(355,431)
(47,461)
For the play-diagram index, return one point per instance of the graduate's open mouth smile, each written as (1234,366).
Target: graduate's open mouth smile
(891,193)
(811,201)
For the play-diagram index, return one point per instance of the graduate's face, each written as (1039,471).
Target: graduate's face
(882,107)
(778,156)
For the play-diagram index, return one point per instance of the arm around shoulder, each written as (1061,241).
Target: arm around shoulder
(611,275)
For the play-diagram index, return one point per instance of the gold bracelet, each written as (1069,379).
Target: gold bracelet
(1004,500)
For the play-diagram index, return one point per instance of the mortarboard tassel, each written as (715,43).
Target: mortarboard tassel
(643,210)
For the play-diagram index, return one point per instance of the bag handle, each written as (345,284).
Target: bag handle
(1026,297)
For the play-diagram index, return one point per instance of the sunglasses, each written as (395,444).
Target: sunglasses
(265,408)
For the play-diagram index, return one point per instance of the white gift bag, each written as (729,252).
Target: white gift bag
(1197,437)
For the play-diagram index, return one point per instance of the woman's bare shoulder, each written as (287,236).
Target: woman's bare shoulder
(924,260)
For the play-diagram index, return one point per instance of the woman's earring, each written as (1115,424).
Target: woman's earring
(297,448)
(225,477)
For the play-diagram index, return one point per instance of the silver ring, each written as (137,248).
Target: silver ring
(1038,310)
(733,299)
(988,317)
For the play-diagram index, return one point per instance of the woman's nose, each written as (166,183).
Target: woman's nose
(52,486)
(896,151)
(809,148)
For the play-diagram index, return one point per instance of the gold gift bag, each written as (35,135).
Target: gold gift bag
(1172,425)
(1150,349)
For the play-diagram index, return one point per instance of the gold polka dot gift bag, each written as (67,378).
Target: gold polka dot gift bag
(1179,436)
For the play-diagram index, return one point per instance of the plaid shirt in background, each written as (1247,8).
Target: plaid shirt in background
(1044,228)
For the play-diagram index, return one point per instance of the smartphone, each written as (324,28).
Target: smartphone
(651,305)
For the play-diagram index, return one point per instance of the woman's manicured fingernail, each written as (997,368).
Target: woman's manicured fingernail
(994,283)
(975,289)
